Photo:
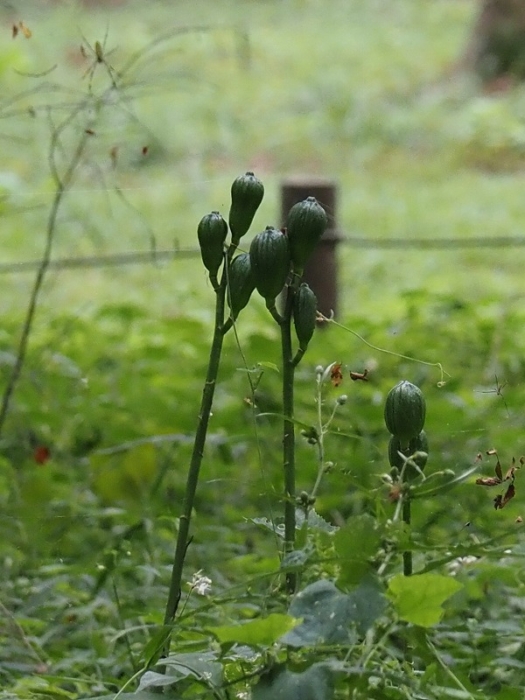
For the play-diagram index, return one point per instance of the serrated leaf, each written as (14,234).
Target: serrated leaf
(261,632)
(418,599)
(280,684)
(276,528)
(355,544)
(315,521)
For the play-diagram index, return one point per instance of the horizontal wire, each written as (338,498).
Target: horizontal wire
(156,256)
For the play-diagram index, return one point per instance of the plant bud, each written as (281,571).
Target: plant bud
(270,258)
(306,223)
(212,232)
(405,412)
(247,194)
(304,314)
(241,283)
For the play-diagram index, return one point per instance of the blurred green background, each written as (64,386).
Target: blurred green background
(363,93)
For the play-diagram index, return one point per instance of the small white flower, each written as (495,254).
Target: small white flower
(199,583)
(461,562)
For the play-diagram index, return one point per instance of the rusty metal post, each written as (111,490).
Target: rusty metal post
(321,270)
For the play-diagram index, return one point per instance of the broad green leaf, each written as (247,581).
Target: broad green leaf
(510,694)
(263,632)
(418,599)
(296,560)
(269,365)
(332,617)
(366,603)
(139,695)
(325,615)
(280,684)
(152,679)
(201,666)
(355,544)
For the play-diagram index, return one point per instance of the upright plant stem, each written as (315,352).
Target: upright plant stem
(288,369)
(407,556)
(183,540)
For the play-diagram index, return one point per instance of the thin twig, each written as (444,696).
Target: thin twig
(22,636)
(61,186)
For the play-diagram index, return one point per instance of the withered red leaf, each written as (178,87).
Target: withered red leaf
(501,501)
(354,376)
(488,481)
(509,476)
(336,376)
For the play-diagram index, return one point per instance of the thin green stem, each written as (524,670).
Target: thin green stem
(407,556)
(183,538)
(272,308)
(288,369)
(322,429)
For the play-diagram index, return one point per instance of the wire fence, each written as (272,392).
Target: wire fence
(361,242)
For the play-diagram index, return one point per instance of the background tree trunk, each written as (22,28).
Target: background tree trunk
(496,48)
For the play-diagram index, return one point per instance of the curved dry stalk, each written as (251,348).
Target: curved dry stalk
(62,184)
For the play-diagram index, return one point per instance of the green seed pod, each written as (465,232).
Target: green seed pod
(212,232)
(270,257)
(304,314)
(307,221)
(405,412)
(418,445)
(241,283)
(247,194)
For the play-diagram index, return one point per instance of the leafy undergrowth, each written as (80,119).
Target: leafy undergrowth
(92,472)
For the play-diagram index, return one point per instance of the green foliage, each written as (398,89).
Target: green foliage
(356,544)
(94,454)
(313,684)
(263,632)
(331,617)
(97,520)
(419,599)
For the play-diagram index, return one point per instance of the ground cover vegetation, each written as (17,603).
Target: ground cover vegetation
(361,559)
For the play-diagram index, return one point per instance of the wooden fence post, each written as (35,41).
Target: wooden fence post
(321,270)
